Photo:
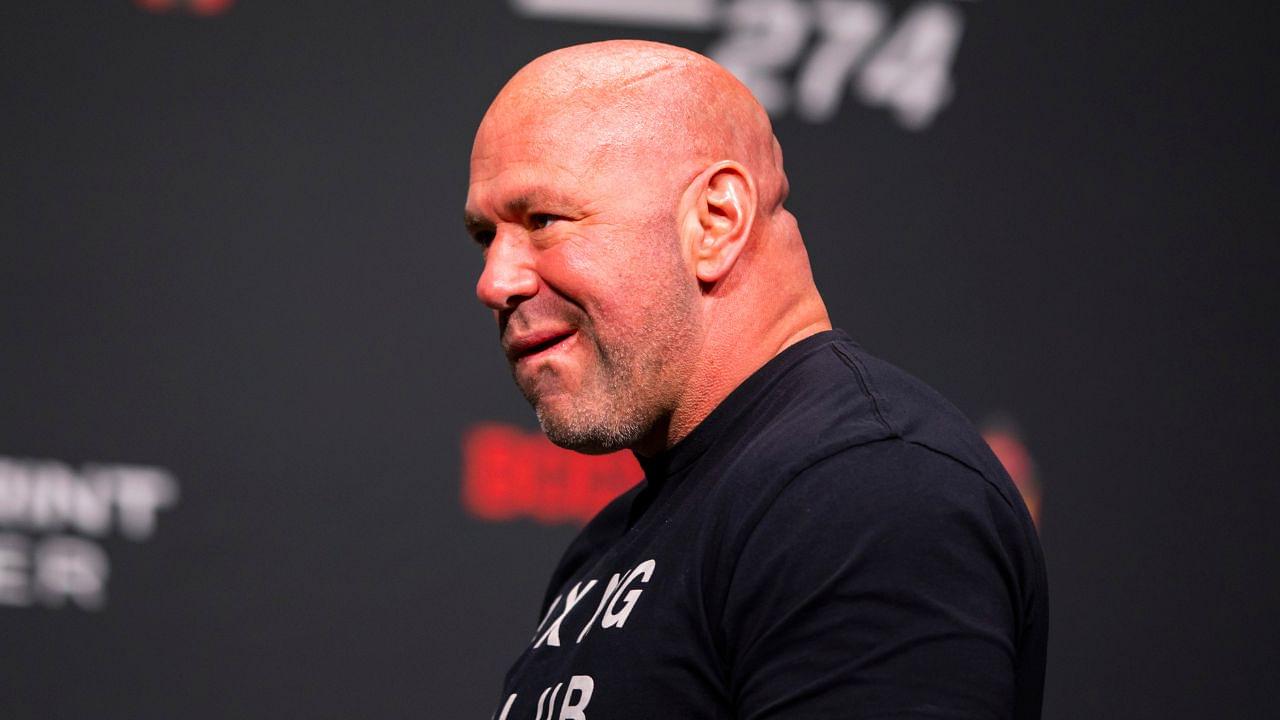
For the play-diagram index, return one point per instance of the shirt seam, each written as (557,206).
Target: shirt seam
(860,374)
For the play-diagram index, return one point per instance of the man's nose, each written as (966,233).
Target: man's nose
(509,276)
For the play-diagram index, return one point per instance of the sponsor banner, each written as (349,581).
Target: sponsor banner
(53,519)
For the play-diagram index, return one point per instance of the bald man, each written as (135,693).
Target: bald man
(818,535)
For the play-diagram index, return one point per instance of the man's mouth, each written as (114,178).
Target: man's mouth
(533,345)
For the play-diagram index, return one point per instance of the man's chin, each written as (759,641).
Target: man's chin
(570,430)
(581,445)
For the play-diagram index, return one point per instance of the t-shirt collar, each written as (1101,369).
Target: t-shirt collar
(681,455)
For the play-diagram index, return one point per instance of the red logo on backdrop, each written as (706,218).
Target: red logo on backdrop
(508,473)
(203,8)
(1006,443)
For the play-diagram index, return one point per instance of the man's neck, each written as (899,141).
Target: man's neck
(727,368)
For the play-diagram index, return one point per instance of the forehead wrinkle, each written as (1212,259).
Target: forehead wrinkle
(524,172)
(547,198)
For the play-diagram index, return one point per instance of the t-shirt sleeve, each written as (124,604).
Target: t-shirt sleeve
(878,583)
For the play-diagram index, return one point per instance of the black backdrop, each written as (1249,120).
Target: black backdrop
(233,263)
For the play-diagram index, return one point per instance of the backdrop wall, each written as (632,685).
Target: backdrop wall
(260,455)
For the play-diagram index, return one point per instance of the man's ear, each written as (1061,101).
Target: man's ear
(719,210)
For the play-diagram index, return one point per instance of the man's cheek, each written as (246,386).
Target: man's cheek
(580,260)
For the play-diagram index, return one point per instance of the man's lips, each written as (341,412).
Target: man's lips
(534,343)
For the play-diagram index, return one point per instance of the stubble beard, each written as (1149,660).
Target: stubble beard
(632,386)
(605,414)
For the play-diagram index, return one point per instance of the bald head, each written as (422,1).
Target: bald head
(643,103)
(638,258)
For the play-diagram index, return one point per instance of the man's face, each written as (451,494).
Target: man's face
(594,303)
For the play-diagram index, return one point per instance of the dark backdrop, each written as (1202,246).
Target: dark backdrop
(232,258)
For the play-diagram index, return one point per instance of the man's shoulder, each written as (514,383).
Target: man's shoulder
(846,431)
(889,544)
(888,478)
(829,395)
(863,490)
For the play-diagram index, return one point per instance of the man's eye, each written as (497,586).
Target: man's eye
(484,238)
(540,220)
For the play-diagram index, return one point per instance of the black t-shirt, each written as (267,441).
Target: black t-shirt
(833,541)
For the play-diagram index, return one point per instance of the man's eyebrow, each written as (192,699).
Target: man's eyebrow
(475,223)
(515,207)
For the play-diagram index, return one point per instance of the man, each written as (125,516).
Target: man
(818,535)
